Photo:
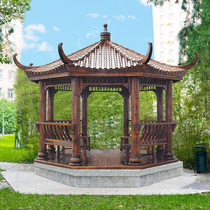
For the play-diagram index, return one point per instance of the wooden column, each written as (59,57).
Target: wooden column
(42,155)
(84,115)
(168,148)
(159,94)
(50,114)
(135,122)
(76,148)
(126,114)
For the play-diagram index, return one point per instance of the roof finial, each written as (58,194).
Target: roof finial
(105,28)
(105,35)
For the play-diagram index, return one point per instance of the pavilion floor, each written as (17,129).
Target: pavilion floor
(107,159)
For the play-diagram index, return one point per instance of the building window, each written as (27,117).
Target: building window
(170,6)
(161,8)
(171,52)
(171,25)
(162,18)
(10,76)
(162,45)
(1,74)
(161,54)
(171,34)
(171,43)
(0,92)
(161,26)
(161,35)
(170,16)
(10,94)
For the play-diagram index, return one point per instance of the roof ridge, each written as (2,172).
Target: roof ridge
(123,54)
(135,52)
(95,45)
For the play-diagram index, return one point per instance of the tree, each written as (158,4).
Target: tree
(10,10)
(7,111)
(27,99)
(191,96)
(194,109)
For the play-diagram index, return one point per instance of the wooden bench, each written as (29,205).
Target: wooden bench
(58,133)
(151,134)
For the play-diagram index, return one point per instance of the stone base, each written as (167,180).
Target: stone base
(109,178)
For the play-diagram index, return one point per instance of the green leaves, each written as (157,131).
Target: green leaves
(27,99)
(9,109)
(10,10)
(193,107)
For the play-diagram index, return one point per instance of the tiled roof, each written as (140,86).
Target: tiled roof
(106,55)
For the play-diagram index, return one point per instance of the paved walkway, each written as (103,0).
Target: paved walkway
(20,178)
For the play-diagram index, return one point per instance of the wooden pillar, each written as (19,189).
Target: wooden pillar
(135,122)
(50,114)
(42,155)
(168,148)
(159,94)
(126,114)
(76,148)
(84,115)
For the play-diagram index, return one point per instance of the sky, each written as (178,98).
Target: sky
(78,23)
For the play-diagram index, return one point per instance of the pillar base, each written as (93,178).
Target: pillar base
(169,155)
(51,150)
(135,161)
(75,162)
(42,156)
(160,150)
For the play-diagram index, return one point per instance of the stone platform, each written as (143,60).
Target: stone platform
(109,178)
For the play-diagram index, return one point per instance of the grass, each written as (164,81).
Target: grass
(8,152)
(12,200)
(1,177)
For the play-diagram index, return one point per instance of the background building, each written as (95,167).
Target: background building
(168,20)
(12,43)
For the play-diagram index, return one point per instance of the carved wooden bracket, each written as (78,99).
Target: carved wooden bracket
(147,58)
(189,66)
(19,65)
(62,55)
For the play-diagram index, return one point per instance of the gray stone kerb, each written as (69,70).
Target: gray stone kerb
(110,172)
(109,178)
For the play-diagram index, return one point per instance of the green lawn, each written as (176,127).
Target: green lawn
(8,152)
(12,200)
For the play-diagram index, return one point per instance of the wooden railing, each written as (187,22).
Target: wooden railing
(154,133)
(56,133)
(151,133)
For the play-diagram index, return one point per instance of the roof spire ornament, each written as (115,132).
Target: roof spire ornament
(105,35)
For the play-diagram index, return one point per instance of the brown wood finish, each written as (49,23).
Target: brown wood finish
(84,115)
(51,94)
(159,95)
(135,126)
(126,96)
(76,91)
(108,159)
(42,155)
(168,147)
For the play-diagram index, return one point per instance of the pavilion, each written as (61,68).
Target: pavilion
(105,67)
